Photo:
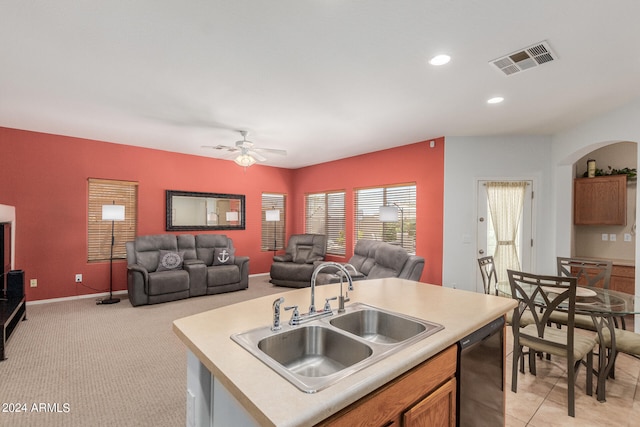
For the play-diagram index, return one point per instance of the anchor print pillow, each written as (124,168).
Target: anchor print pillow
(223,256)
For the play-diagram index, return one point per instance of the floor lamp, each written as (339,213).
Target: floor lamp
(390,214)
(111,213)
(273,215)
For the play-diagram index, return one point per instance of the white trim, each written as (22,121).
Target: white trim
(102,294)
(75,297)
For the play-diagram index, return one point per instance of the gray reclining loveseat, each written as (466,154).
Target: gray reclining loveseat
(166,267)
(376,260)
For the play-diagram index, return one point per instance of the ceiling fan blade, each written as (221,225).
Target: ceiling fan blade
(222,147)
(271,150)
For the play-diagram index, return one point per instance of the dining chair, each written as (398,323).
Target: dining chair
(588,273)
(490,280)
(541,296)
(489,274)
(627,342)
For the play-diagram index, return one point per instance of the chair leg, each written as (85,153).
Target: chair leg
(589,369)
(612,372)
(532,362)
(517,356)
(571,389)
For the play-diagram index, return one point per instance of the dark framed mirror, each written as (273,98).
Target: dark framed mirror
(188,210)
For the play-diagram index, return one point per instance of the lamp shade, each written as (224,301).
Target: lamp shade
(388,214)
(112,212)
(232,216)
(272,215)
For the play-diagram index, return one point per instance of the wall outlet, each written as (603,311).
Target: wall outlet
(627,237)
(605,237)
(78,278)
(33,283)
(612,237)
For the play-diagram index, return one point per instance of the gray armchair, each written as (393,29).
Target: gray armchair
(295,268)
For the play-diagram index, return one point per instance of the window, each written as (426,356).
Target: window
(107,192)
(368,225)
(273,221)
(325,215)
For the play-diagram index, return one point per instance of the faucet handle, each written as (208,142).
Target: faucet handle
(327,305)
(276,314)
(295,316)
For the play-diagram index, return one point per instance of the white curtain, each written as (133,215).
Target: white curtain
(506,199)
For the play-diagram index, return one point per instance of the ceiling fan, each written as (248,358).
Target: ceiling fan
(248,152)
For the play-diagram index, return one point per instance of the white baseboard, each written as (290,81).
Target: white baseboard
(75,297)
(100,295)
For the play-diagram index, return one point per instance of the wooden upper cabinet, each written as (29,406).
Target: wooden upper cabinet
(600,201)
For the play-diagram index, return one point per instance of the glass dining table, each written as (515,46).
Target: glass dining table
(607,308)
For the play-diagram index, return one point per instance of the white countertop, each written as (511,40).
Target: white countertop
(272,400)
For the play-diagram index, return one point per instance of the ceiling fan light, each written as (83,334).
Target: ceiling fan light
(244,160)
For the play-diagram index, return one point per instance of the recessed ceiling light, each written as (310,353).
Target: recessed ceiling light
(440,60)
(495,100)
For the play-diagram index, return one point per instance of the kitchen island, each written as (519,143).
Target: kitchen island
(229,386)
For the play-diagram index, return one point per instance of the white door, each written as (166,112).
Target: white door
(486,238)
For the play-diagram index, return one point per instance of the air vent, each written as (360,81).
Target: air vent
(525,59)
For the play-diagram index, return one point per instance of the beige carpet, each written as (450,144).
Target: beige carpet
(75,363)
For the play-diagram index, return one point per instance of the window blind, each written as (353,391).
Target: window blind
(325,214)
(107,192)
(367,210)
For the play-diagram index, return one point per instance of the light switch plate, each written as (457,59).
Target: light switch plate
(612,237)
(627,237)
(605,237)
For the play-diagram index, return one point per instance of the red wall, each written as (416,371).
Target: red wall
(417,163)
(45,177)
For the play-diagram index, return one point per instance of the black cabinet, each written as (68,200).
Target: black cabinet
(5,253)
(12,301)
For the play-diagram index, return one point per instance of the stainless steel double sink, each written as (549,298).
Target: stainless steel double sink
(321,352)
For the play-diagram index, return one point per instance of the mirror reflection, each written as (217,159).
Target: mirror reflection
(204,211)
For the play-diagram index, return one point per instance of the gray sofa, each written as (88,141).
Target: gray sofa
(295,268)
(376,260)
(166,267)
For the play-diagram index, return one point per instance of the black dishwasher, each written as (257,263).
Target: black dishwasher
(480,377)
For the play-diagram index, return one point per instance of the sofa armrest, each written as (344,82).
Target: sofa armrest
(243,264)
(328,270)
(197,276)
(136,268)
(283,258)
(137,284)
(412,269)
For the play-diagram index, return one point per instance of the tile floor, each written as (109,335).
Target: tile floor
(542,400)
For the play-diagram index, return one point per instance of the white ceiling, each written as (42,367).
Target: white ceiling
(323,79)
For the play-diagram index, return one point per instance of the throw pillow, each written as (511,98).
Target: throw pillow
(170,260)
(223,256)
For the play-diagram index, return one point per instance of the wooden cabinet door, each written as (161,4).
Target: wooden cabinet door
(388,405)
(600,201)
(623,279)
(436,410)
